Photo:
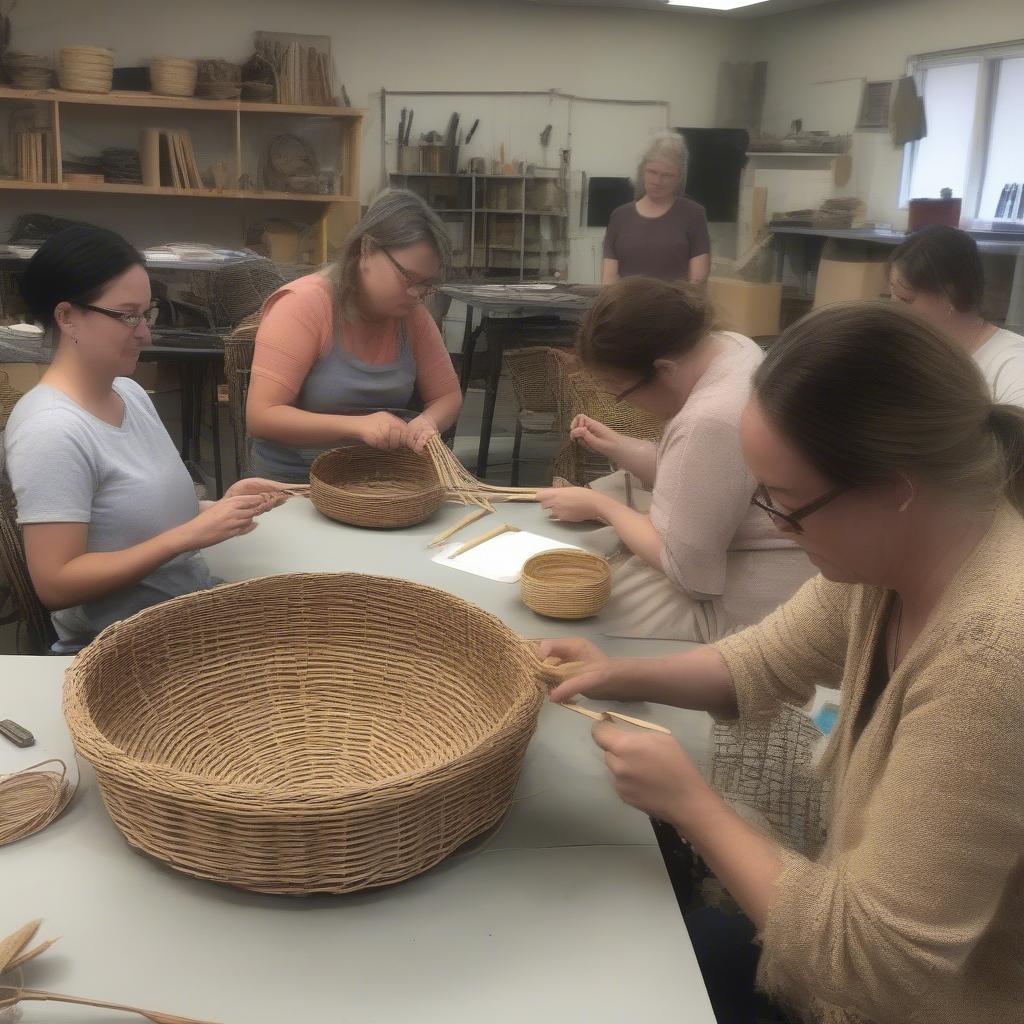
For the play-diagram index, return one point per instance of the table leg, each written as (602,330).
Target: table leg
(185,383)
(469,340)
(218,471)
(495,352)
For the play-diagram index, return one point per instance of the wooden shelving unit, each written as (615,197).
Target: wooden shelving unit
(335,212)
(495,240)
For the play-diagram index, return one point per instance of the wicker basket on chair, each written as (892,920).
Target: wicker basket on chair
(345,732)
(534,375)
(239,348)
(16,590)
(364,486)
(578,392)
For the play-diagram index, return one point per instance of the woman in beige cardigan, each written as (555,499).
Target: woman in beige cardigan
(878,448)
(702,561)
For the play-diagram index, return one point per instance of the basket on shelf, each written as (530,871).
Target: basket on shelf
(28,70)
(218,80)
(85,69)
(173,76)
(566,583)
(363,486)
(345,732)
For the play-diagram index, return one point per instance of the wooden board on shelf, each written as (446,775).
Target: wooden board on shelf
(143,190)
(155,102)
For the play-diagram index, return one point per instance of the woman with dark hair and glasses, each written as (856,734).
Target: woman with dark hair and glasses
(907,492)
(937,271)
(344,354)
(701,561)
(107,508)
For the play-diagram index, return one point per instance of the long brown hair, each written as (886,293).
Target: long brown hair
(867,391)
(638,320)
(395,219)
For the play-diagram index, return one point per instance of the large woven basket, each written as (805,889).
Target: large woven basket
(566,584)
(365,486)
(305,733)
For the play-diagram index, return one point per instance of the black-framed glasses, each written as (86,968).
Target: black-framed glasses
(642,382)
(148,316)
(424,288)
(762,499)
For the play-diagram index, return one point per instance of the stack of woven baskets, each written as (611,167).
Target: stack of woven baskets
(344,732)
(28,70)
(86,69)
(173,76)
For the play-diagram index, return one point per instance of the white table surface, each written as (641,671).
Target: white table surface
(296,538)
(563,913)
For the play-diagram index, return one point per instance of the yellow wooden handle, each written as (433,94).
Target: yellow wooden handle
(483,538)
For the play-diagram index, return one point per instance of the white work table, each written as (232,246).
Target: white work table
(563,913)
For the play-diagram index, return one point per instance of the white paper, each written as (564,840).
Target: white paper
(502,558)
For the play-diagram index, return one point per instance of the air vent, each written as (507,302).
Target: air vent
(874,107)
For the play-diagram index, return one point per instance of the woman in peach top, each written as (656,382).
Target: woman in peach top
(342,354)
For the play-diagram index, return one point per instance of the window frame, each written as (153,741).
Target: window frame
(988,59)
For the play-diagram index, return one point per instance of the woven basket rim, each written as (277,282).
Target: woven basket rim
(332,453)
(257,800)
(555,554)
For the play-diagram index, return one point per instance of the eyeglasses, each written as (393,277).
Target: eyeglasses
(423,288)
(132,320)
(642,382)
(762,499)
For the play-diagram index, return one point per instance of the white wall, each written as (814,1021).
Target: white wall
(412,44)
(817,58)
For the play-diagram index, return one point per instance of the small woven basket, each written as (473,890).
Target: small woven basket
(566,584)
(364,486)
(173,76)
(305,733)
(86,69)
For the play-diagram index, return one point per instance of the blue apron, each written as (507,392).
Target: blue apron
(341,385)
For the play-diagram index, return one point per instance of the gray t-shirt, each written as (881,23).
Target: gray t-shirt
(659,247)
(128,483)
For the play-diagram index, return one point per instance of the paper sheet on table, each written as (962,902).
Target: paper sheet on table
(501,559)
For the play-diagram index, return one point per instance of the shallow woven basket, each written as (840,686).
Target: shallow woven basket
(173,76)
(305,733)
(566,584)
(365,486)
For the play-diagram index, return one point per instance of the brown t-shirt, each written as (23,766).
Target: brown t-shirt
(659,247)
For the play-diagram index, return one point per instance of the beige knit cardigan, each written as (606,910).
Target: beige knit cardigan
(914,909)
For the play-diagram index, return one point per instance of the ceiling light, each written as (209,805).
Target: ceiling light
(715,5)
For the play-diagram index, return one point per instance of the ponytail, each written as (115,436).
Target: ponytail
(1007,423)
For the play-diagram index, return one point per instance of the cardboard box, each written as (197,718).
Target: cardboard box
(748,307)
(845,273)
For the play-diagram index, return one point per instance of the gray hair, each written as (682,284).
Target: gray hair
(665,145)
(396,219)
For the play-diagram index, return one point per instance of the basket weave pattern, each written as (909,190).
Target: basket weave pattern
(579,393)
(365,486)
(566,584)
(305,733)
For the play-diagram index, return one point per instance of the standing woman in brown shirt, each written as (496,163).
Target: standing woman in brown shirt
(879,449)
(663,234)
